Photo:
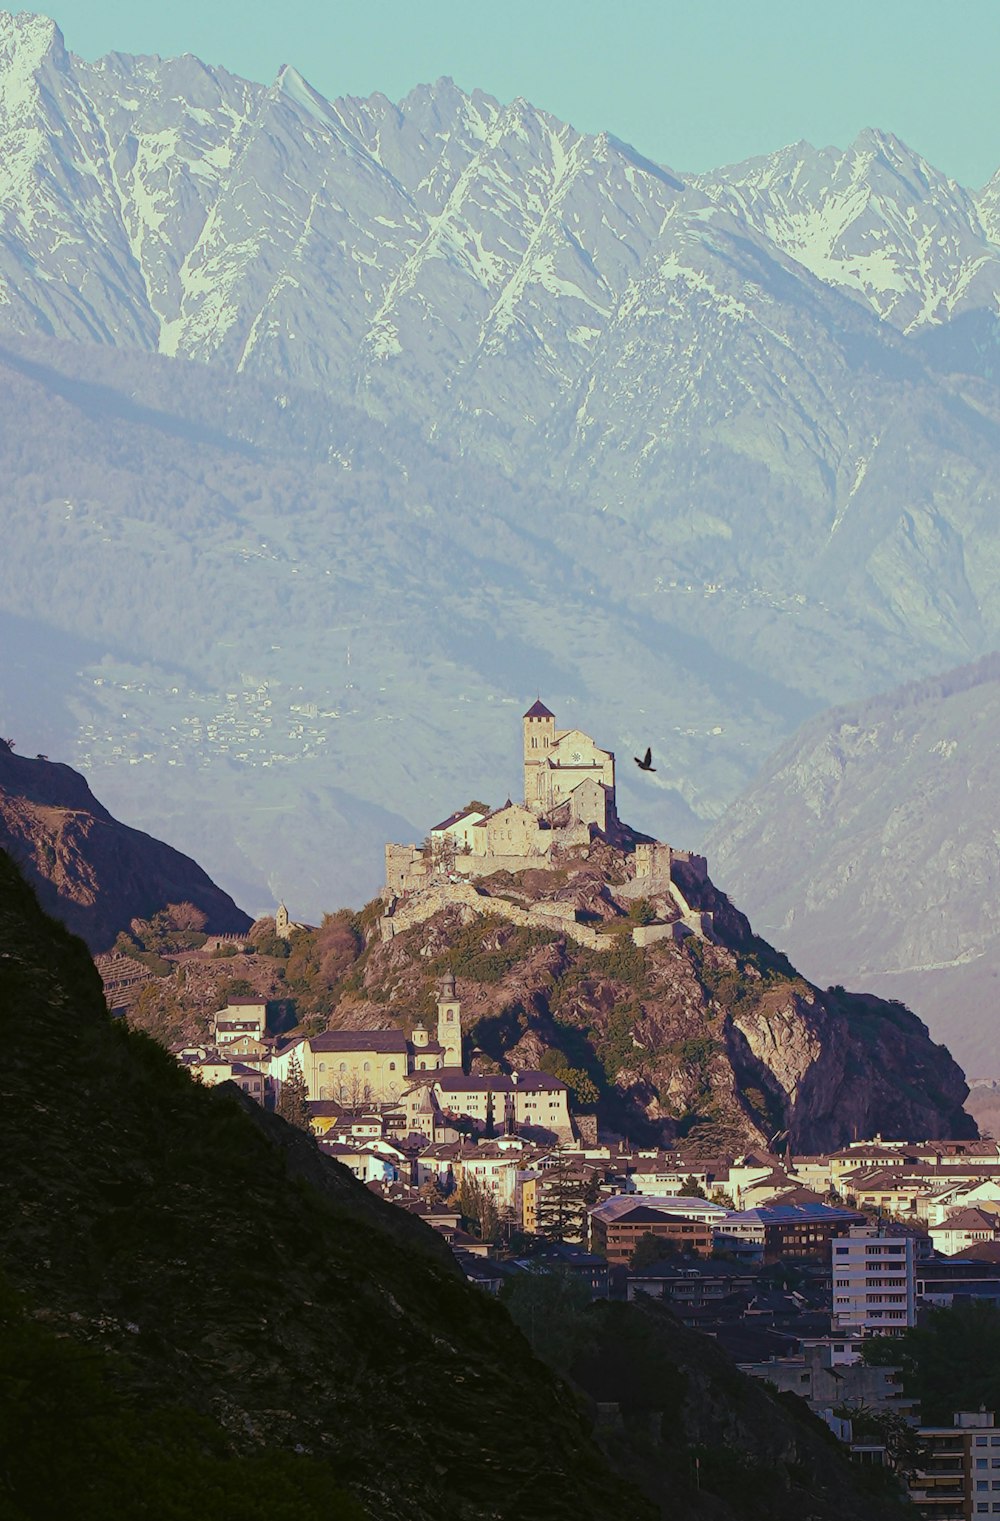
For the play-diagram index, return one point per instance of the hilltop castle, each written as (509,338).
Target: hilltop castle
(569,796)
(569,801)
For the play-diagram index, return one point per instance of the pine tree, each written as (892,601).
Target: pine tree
(292,1100)
(561,1211)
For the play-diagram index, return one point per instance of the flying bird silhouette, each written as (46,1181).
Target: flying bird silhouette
(646,764)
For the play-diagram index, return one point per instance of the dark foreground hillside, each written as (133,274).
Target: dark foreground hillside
(200,1317)
(230,1269)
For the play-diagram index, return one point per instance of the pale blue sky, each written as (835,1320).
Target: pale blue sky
(692,85)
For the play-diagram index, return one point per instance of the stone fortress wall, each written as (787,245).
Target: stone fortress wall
(520,837)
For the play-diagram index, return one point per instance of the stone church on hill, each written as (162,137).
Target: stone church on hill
(375,1066)
(569,795)
(566,766)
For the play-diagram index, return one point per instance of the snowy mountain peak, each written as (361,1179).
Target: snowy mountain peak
(27,40)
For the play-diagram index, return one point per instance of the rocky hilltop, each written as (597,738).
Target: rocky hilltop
(89,870)
(869,848)
(670,1020)
(235,1327)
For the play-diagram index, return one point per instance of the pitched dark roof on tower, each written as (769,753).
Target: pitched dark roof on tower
(539,710)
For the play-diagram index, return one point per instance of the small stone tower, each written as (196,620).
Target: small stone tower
(282,924)
(449,1022)
(539,737)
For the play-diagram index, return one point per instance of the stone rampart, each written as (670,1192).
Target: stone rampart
(648,934)
(555,916)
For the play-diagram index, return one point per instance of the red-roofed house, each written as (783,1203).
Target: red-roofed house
(964,1228)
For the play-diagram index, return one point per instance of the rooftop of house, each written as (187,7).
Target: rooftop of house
(669,1269)
(453,1081)
(967,1220)
(456,818)
(650,1207)
(919,1172)
(793,1214)
(384,1042)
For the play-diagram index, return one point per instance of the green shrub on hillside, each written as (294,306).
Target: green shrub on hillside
(470,956)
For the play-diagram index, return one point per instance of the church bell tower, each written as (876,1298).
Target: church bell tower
(539,737)
(449,1022)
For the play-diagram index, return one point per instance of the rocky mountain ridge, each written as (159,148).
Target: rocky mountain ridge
(90,871)
(709,1039)
(868,849)
(396,390)
(718,1042)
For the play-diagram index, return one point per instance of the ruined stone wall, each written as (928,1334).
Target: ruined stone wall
(416,910)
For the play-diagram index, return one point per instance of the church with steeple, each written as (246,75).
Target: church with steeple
(569,796)
(558,762)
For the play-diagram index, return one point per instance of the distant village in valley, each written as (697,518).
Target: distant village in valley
(790,1262)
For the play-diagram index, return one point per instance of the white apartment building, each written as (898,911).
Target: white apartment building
(874,1281)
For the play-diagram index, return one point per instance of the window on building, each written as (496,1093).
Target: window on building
(343,1066)
(392,1066)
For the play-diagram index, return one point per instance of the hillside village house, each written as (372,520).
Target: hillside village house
(238,1020)
(213,1069)
(529,1100)
(383,1067)
(965,1228)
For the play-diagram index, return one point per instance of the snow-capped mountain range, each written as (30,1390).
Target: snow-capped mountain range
(699,454)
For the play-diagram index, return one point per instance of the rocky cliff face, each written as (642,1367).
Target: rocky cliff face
(868,848)
(719,1042)
(89,870)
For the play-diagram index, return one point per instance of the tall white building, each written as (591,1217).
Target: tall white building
(874,1281)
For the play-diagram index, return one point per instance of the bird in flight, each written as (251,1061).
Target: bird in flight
(646,764)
